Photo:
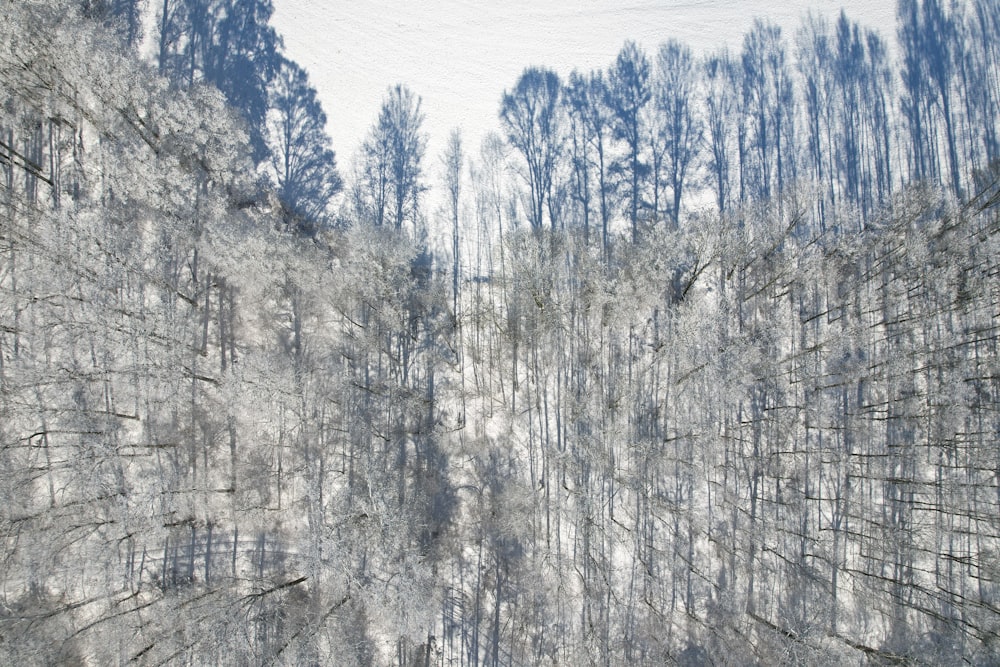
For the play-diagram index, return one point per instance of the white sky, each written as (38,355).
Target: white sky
(460,55)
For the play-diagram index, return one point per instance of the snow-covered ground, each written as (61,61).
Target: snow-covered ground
(460,55)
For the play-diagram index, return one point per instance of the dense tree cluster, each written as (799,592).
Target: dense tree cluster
(230,45)
(630,145)
(599,426)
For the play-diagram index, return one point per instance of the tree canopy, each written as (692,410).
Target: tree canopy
(754,420)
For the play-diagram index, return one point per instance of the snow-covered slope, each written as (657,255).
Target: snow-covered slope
(461,55)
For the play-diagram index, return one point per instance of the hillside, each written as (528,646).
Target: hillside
(601,425)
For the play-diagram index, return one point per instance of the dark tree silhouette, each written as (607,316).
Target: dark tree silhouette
(915,103)
(391,156)
(530,114)
(228,43)
(768,107)
(720,117)
(302,163)
(586,100)
(942,53)
(678,125)
(575,98)
(814,56)
(628,93)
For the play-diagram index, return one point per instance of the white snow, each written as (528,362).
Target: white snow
(460,55)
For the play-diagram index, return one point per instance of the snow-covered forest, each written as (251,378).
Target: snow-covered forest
(695,360)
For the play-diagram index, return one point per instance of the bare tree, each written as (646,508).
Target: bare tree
(530,114)
(453,162)
(628,92)
(391,158)
(678,125)
(720,107)
(302,163)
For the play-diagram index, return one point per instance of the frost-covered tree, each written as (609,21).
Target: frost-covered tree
(747,439)
(122,16)
(229,44)
(453,162)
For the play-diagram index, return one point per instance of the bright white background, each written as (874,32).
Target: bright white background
(460,55)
